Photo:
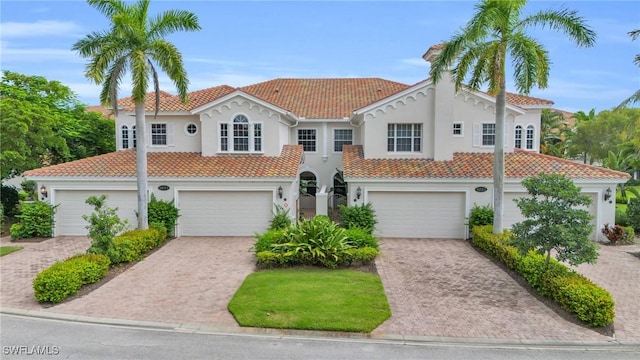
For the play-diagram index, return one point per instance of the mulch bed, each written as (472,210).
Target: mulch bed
(570,317)
(31,240)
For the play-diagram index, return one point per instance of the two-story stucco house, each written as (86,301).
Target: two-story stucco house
(422,154)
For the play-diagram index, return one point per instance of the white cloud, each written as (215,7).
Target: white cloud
(14,55)
(39,28)
(415,62)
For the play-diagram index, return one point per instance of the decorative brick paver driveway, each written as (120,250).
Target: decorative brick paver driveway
(18,269)
(619,272)
(189,280)
(435,288)
(446,288)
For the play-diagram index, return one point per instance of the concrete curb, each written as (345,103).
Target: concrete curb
(633,346)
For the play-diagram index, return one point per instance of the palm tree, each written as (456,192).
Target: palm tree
(636,96)
(135,44)
(480,50)
(553,130)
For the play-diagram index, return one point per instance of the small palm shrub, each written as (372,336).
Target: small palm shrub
(280,218)
(359,216)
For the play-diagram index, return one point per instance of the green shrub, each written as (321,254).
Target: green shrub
(10,199)
(628,237)
(164,212)
(264,241)
(633,214)
(104,225)
(1,219)
(361,256)
(280,219)
(359,216)
(575,293)
(361,238)
(36,220)
(65,278)
(621,217)
(621,199)
(480,215)
(133,245)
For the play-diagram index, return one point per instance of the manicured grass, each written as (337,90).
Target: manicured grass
(4,250)
(332,300)
(623,207)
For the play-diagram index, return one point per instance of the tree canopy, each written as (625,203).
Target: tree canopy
(555,219)
(43,123)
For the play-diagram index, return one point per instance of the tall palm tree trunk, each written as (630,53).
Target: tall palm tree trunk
(498,161)
(141,167)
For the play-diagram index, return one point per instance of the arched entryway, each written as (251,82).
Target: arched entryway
(337,196)
(308,187)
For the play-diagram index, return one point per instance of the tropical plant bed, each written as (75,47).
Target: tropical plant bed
(113,272)
(311,299)
(552,305)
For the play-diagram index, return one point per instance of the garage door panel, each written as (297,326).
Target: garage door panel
(224,213)
(72,206)
(419,214)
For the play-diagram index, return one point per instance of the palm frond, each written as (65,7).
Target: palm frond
(630,100)
(169,58)
(108,7)
(172,21)
(566,21)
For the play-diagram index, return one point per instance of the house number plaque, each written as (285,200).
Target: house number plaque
(481,189)
(163,187)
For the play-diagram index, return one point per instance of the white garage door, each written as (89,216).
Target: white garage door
(419,214)
(72,206)
(512,213)
(224,213)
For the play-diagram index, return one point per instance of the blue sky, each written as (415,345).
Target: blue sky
(247,42)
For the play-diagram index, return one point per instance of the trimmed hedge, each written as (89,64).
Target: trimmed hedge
(65,278)
(574,292)
(134,244)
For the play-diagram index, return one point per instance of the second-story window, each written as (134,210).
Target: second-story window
(530,135)
(517,143)
(342,137)
(133,136)
(158,134)
(488,134)
(241,135)
(457,129)
(125,136)
(307,138)
(404,137)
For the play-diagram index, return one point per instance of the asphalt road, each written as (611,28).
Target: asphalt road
(32,338)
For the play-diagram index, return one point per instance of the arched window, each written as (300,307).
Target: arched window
(530,136)
(246,136)
(125,136)
(133,136)
(518,137)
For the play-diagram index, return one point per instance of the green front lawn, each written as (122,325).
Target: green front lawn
(5,250)
(331,300)
(623,207)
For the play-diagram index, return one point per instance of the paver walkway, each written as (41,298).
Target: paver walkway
(446,288)
(619,272)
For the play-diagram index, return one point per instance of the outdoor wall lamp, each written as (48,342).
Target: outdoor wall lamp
(280,192)
(43,192)
(358,192)
(607,194)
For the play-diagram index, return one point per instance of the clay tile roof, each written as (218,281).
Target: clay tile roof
(107,113)
(520,164)
(169,102)
(180,164)
(520,100)
(323,98)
